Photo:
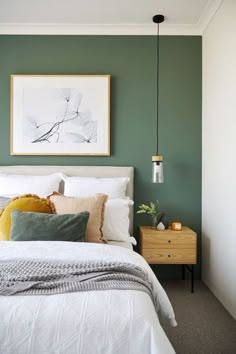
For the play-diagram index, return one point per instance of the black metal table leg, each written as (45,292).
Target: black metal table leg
(183,272)
(192,279)
(191,269)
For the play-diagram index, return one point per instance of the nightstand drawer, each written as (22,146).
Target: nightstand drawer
(169,256)
(169,240)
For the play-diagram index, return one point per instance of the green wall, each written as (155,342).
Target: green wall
(131,62)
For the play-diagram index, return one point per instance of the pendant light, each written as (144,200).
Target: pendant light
(157,160)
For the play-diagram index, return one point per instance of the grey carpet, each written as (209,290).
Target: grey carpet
(204,326)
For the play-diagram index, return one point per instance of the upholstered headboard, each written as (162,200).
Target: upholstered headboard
(83,171)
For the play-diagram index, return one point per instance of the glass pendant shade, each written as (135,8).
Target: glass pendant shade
(157,169)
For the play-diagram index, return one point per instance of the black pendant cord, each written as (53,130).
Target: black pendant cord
(157,87)
(158,19)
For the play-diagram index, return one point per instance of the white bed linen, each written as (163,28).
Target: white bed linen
(96,322)
(121,244)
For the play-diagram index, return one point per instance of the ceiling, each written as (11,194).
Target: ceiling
(105,16)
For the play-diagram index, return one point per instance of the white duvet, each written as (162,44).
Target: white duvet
(95,322)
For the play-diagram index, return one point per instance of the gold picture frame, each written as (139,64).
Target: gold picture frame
(60,115)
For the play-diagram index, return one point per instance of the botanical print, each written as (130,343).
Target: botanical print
(57,115)
(60,115)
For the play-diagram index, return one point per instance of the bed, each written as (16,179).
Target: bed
(113,320)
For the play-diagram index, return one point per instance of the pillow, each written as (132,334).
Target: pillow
(94,205)
(29,226)
(87,186)
(27,202)
(14,185)
(116,221)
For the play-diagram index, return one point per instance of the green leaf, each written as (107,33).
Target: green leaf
(152,205)
(153,209)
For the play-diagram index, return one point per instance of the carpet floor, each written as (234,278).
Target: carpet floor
(204,326)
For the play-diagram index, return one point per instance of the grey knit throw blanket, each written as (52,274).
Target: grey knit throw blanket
(28,277)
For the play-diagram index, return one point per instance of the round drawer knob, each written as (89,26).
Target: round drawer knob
(169,241)
(168,255)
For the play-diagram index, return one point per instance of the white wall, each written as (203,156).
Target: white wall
(219,156)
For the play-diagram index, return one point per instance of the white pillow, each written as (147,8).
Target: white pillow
(116,220)
(13,185)
(87,186)
(4,201)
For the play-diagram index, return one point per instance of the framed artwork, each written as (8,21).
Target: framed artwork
(60,115)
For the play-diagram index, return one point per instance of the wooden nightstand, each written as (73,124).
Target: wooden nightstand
(170,247)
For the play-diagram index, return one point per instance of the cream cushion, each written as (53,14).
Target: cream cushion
(116,220)
(95,205)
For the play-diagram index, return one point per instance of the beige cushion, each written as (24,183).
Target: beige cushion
(94,205)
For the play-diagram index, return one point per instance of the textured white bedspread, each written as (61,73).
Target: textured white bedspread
(96,322)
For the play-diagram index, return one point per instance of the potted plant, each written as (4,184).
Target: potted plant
(153,209)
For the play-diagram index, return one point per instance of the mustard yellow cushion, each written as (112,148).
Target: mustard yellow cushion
(26,202)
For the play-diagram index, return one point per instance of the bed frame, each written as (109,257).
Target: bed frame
(82,171)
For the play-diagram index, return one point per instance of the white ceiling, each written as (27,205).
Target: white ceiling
(105,16)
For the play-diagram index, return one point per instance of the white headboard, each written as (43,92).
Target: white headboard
(83,171)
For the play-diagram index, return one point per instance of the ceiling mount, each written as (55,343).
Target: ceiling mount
(158,18)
